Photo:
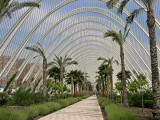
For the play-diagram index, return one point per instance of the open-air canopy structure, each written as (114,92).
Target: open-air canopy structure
(75,28)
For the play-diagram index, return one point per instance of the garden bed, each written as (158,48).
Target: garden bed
(115,112)
(34,111)
(146,115)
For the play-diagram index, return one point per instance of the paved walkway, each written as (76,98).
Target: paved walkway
(87,109)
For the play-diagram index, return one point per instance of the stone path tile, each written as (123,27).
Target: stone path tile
(87,109)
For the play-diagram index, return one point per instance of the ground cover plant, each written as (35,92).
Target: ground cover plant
(114,111)
(36,110)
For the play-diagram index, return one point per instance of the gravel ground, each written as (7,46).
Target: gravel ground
(146,115)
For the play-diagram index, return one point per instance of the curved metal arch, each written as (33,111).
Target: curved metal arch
(9,65)
(88,61)
(65,30)
(106,50)
(20,22)
(140,26)
(138,54)
(16,26)
(60,22)
(140,4)
(127,13)
(42,37)
(95,59)
(82,68)
(124,48)
(76,23)
(83,46)
(112,18)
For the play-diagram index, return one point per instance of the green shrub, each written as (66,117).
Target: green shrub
(10,114)
(148,103)
(115,112)
(36,110)
(135,99)
(23,97)
(31,112)
(84,97)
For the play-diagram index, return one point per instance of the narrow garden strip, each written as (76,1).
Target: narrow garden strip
(115,112)
(37,110)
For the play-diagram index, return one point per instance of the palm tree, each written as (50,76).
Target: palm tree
(62,63)
(41,53)
(101,80)
(119,87)
(153,47)
(104,71)
(73,78)
(82,77)
(10,81)
(54,72)
(110,62)
(127,73)
(7,7)
(85,76)
(120,39)
(99,83)
(69,79)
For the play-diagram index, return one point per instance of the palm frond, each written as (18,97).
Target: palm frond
(50,64)
(148,3)
(126,34)
(122,5)
(36,56)
(7,7)
(111,3)
(115,36)
(101,58)
(72,62)
(40,46)
(134,14)
(116,61)
(41,52)
(32,49)
(16,5)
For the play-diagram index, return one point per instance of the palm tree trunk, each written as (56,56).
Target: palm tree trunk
(44,79)
(79,90)
(84,89)
(72,86)
(154,65)
(103,88)
(125,98)
(55,80)
(61,79)
(121,97)
(107,86)
(87,90)
(111,79)
(75,89)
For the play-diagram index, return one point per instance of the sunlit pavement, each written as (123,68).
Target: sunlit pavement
(87,109)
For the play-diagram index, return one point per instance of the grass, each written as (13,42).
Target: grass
(115,112)
(37,110)
(10,114)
